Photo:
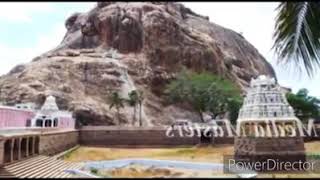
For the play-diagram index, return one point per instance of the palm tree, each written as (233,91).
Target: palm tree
(140,100)
(133,101)
(297,34)
(117,102)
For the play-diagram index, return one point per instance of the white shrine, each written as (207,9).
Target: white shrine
(50,116)
(265,104)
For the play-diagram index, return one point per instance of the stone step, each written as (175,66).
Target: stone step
(58,170)
(34,168)
(40,167)
(5,174)
(14,169)
(61,169)
(44,170)
(26,161)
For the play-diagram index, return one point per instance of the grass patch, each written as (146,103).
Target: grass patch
(313,156)
(94,171)
(68,154)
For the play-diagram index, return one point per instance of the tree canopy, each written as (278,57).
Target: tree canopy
(205,92)
(117,102)
(305,106)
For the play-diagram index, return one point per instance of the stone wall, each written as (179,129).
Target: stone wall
(132,136)
(55,142)
(280,145)
(223,140)
(1,151)
(282,149)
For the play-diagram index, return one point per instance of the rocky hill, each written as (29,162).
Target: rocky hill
(124,46)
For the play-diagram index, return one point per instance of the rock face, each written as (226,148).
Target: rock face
(124,46)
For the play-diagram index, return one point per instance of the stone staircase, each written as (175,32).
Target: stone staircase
(39,167)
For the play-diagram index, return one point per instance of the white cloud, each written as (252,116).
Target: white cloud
(22,12)
(11,56)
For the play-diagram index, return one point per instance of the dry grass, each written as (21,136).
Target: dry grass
(208,154)
(202,154)
(312,147)
(205,154)
(138,171)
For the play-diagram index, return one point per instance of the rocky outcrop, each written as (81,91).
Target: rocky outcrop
(123,46)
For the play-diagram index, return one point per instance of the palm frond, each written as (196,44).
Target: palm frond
(297,35)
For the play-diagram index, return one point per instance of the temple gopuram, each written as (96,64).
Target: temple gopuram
(267,127)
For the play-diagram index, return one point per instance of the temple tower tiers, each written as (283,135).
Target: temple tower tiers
(267,126)
(50,116)
(50,105)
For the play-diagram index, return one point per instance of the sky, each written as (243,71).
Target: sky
(30,29)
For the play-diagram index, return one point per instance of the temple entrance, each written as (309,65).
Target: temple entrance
(48,123)
(7,151)
(24,148)
(36,145)
(16,147)
(31,145)
(55,122)
(206,138)
(39,122)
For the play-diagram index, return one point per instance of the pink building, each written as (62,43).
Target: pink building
(13,117)
(22,116)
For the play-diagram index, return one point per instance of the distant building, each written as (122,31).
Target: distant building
(30,106)
(25,115)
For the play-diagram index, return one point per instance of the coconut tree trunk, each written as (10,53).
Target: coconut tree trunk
(118,115)
(140,114)
(201,116)
(134,114)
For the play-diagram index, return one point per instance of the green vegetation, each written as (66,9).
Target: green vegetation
(117,102)
(315,156)
(205,92)
(94,171)
(136,99)
(67,154)
(133,101)
(305,106)
(297,34)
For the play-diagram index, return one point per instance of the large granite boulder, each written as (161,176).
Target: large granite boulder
(126,45)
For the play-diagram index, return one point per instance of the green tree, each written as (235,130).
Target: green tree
(133,101)
(297,35)
(305,106)
(117,102)
(205,92)
(234,106)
